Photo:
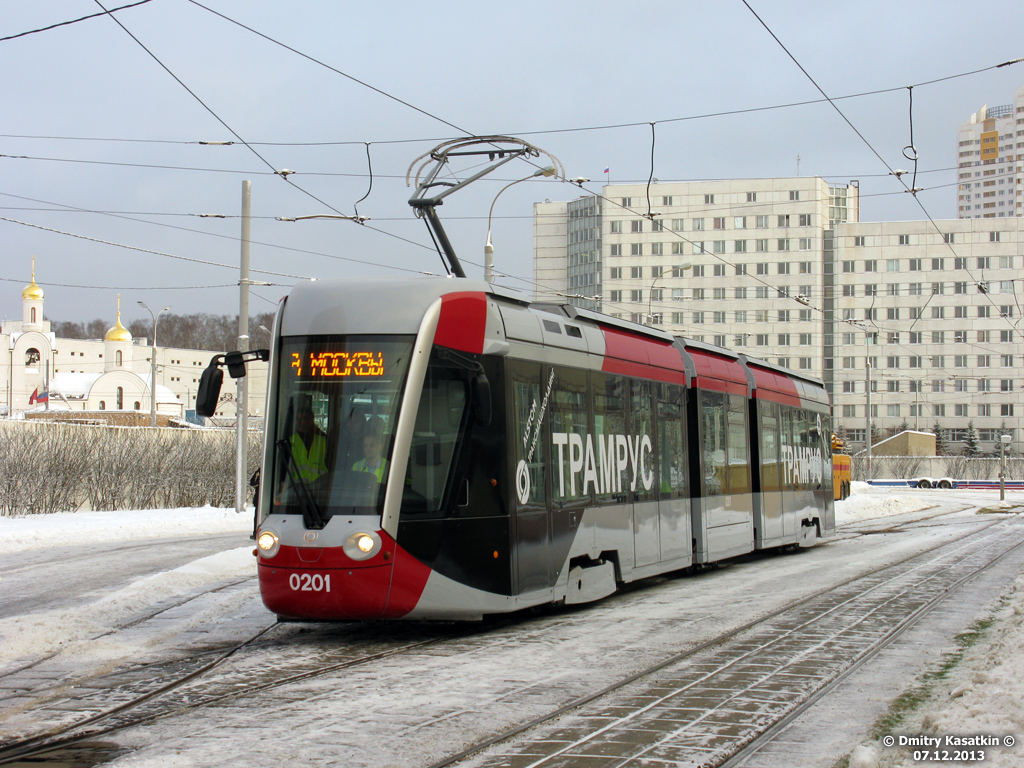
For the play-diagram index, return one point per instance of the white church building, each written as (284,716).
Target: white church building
(101,376)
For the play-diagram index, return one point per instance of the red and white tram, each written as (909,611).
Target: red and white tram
(470,453)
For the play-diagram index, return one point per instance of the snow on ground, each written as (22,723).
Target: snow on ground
(68,629)
(983,694)
(75,629)
(18,534)
(866,502)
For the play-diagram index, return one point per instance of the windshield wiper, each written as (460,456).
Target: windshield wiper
(310,510)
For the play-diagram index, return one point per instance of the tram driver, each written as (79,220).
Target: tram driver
(308,444)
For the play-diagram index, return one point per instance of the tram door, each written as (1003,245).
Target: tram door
(532,536)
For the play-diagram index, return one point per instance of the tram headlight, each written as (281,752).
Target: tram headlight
(362,546)
(268,543)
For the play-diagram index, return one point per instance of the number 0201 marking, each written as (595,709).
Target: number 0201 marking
(305,582)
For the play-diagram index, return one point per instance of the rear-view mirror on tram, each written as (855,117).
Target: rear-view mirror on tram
(210,382)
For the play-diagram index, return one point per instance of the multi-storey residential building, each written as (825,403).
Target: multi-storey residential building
(934,308)
(781,269)
(990,158)
(743,263)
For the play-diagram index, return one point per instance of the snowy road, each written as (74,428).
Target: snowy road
(62,576)
(431,690)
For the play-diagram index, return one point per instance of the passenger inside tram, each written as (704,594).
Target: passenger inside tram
(373,460)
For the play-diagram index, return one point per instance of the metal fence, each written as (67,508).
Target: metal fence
(957,467)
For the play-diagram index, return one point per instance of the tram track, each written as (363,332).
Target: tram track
(740,690)
(163,608)
(188,690)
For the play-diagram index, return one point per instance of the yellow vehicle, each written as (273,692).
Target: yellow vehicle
(842,471)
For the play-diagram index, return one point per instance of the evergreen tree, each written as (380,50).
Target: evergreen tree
(971,445)
(941,447)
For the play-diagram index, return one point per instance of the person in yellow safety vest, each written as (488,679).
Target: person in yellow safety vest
(373,453)
(309,446)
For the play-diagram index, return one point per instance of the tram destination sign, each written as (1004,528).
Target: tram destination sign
(325,364)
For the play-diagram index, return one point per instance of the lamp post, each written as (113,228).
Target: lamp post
(1004,440)
(650,292)
(152,375)
(488,248)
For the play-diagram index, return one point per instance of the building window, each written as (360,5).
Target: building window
(904,239)
(751,197)
(103,405)
(615,250)
(637,225)
(794,194)
(709,199)
(858,241)
(616,227)
(762,222)
(784,220)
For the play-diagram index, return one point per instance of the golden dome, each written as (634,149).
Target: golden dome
(118,332)
(32,291)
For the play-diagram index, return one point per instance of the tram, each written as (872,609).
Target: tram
(445,449)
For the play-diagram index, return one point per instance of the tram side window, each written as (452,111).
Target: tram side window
(713,418)
(739,450)
(609,426)
(803,425)
(640,416)
(671,442)
(575,474)
(529,405)
(769,437)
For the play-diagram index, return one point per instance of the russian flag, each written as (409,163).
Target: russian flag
(608,169)
(39,397)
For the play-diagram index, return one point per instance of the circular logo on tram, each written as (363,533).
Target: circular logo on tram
(309,536)
(523,482)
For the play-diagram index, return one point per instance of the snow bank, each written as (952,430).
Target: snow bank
(866,502)
(18,534)
(983,695)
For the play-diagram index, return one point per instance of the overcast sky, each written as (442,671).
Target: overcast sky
(112,138)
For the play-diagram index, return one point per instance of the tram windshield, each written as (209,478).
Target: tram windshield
(334,422)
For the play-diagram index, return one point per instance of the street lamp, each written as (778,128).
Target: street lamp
(488,248)
(650,292)
(152,375)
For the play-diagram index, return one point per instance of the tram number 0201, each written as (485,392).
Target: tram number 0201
(309,582)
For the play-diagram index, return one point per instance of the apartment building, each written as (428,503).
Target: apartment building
(990,159)
(781,269)
(934,310)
